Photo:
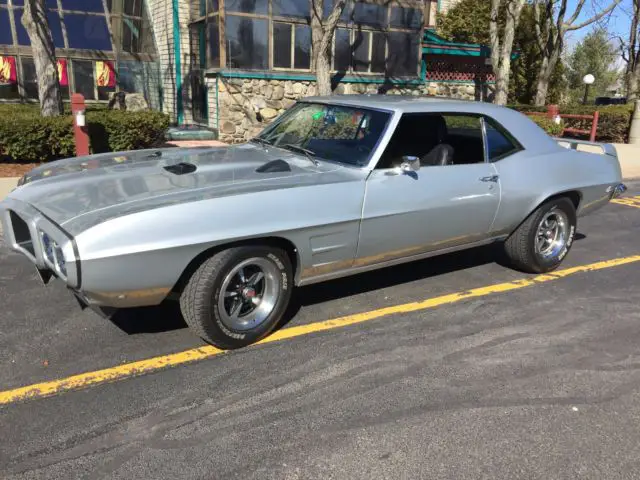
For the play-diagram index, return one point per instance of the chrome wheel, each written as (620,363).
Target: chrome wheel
(551,236)
(249,294)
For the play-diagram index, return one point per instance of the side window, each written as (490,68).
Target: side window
(438,139)
(464,135)
(499,143)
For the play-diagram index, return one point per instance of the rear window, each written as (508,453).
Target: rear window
(499,143)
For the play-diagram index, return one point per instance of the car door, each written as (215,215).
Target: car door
(441,205)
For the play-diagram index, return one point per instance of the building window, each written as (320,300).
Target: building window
(85,5)
(29,79)
(403,53)
(87,32)
(86,27)
(291,46)
(291,8)
(246,42)
(5,28)
(83,78)
(342,53)
(402,17)
(275,34)
(247,6)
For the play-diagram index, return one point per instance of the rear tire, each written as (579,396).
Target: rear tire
(542,241)
(238,296)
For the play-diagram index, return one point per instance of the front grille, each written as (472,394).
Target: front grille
(21,233)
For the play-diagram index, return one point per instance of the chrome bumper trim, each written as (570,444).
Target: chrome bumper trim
(618,190)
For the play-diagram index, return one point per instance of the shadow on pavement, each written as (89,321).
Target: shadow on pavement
(162,318)
(167,316)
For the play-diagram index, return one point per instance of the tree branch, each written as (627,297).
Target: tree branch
(569,27)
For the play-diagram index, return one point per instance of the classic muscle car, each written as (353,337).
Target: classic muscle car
(335,186)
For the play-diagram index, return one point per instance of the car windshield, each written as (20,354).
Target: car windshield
(328,132)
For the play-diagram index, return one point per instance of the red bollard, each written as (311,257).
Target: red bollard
(80,130)
(553,111)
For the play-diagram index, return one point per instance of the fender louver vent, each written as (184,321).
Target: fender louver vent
(181,168)
(274,166)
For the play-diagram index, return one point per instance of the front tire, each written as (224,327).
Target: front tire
(542,241)
(238,296)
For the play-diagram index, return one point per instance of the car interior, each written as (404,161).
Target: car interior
(436,139)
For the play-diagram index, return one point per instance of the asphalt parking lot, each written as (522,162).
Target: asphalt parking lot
(538,379)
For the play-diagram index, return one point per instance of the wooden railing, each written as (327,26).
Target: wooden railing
(553,113)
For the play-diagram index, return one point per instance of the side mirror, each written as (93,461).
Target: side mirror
(410,163)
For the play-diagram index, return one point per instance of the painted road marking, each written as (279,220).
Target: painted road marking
(628,201)
(129,370)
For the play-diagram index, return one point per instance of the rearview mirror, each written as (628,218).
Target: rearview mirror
(410,163)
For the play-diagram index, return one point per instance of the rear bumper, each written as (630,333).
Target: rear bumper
(617,190)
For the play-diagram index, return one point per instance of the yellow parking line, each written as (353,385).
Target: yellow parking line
(133,369)
(628,201)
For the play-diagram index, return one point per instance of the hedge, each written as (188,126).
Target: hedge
(25,136)
(552,128)
(613,123)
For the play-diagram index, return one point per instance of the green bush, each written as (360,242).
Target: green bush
(552,128)
(25,136)
(613,123)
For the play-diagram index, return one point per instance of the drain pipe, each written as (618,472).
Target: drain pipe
(178,65)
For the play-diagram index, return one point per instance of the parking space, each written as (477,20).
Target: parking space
(538,381)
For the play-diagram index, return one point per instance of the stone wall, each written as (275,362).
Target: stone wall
(245,106)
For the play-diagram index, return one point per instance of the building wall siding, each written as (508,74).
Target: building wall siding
(162,18)
(447,4)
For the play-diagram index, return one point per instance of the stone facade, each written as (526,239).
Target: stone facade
(246,106)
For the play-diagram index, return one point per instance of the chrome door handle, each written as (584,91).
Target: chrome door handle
(491,178)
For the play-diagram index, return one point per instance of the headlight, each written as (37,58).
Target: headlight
(60,260)
(53,253)
(48,245)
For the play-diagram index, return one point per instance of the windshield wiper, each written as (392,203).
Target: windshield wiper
(308,153)
(261,141)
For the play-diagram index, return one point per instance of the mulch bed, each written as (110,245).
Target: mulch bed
(16,169)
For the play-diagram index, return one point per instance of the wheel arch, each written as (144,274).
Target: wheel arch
(280,242)
(574,195)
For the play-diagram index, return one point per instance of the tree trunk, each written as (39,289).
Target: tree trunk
(632,74)
(501,48)
(323,74)
(35,23)
(322,31)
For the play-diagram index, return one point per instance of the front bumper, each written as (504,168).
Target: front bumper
(23,226)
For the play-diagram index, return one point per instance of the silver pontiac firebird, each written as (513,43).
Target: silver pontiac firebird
(333,187)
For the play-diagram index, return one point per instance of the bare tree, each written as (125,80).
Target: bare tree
(631,54)
(502,43)
(36,24)
(551,29)
(322,31)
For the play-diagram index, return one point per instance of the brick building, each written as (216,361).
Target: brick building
(233,65)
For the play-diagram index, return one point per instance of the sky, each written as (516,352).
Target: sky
(617,22)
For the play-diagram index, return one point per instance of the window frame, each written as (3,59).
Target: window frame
(346,23)
(517,146)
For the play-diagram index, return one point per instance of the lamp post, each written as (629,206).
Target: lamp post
(588,81)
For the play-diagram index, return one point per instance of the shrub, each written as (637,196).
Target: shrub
(552,128)
(613,123)
(25,136)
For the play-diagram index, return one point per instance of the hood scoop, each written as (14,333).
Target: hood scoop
(181,168)
(274,166)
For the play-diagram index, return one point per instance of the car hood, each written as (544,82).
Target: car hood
(94,188)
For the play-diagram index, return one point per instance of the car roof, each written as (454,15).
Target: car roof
(527,132)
